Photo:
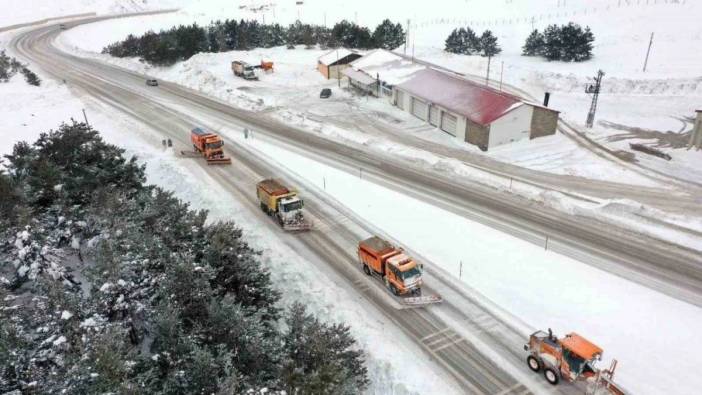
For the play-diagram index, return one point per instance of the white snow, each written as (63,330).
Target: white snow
(61,340)
(105,287)
(66,315)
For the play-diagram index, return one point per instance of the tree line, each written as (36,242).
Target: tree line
(181,42)
(116,286)
(568,43)
(464,41)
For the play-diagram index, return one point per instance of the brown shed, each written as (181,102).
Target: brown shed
(333,62)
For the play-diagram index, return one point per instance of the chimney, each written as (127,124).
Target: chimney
(547,96)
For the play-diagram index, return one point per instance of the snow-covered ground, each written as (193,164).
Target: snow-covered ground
(632,323)
(34,110)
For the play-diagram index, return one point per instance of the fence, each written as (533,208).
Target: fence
(555,14)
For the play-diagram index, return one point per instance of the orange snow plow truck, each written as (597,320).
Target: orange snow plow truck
(210,146)
(571,358)
(402,275)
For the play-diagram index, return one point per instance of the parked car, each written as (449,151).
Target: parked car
(152,82)
(325,93)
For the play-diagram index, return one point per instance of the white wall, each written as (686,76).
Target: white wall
(513,126)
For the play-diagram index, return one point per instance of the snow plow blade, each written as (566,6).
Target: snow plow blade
(219,161)
(300,227)
(415,301)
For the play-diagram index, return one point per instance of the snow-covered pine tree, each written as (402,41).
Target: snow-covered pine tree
(388,35)
(488,44)
(583,47)
(552,43)
(453,42)
(534,45)
(320,358)
(472,43)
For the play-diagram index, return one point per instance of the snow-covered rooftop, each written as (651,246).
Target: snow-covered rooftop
(476,102)
(387,66)
(335,55)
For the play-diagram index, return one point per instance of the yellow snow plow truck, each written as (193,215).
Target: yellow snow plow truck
(283,204)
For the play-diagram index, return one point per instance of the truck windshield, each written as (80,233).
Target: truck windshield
(411,273)
(292,206)
(214,145)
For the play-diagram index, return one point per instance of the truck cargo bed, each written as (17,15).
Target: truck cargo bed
(273,187)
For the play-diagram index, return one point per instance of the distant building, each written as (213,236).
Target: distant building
(333,62)
(696,138)
(472,112)
(377,72)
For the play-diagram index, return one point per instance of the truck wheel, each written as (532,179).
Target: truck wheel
(366,269)
(551,376)
(394,290)
(533,363)
(264,208)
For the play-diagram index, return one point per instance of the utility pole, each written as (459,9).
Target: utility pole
(650,44)
(595,91)
(85,117)
(406,37)
(338,72)
(487,77)
(502,70)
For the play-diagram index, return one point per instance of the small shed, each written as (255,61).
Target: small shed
(333,62)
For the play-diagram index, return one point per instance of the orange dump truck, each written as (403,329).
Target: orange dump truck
(571,358)
(210,146)
(402,274)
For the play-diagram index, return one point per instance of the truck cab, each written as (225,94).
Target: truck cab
(208,143)
(572,357)
(290,208)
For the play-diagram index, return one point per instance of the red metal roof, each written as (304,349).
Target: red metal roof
(476,102)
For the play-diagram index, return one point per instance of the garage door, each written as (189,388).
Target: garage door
(401,99)
(419,109)
(434,115)
(448,123)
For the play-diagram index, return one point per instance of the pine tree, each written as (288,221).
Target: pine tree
(454,43)
(472,43)
(488,44)
(320,359)
(583,47)
(30,77)
(388,35)
(552,43)
(534,45)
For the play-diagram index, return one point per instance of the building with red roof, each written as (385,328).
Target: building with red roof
(470,111)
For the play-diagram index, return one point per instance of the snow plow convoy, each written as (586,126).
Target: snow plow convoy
(571,358)
(283,204)
(402,274)
(208,145)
